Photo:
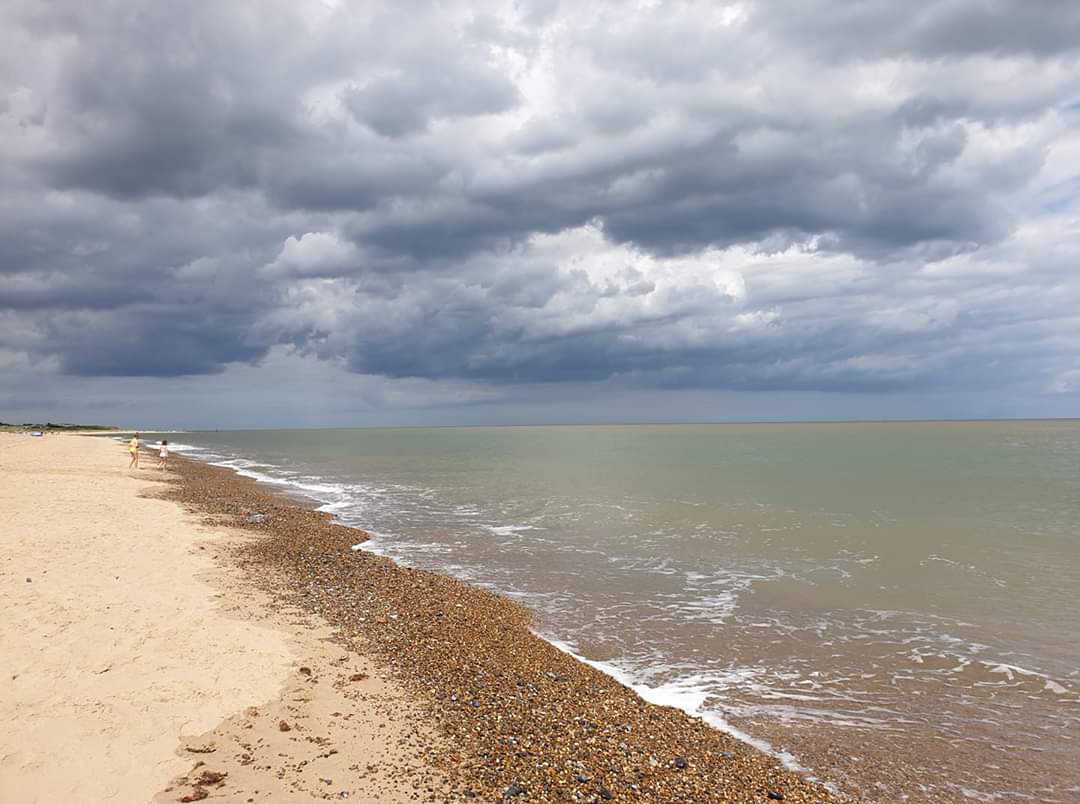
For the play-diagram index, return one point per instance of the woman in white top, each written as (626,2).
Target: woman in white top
(163,455)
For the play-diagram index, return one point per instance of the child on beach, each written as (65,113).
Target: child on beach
(163,455)
(133,448)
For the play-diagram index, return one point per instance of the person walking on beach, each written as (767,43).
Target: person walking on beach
(163,455)
(133,448)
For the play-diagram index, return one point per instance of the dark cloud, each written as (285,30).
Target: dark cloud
(944,29)
(43,291)
(335,178)
(165,99)
(771,195)
(156,343)
(397,104)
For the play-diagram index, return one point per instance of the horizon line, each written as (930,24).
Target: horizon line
(689,423)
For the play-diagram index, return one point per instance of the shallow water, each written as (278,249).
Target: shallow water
(892,606)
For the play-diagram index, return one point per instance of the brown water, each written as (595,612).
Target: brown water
(890,606)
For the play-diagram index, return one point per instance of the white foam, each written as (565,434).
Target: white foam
(374,544)
(309,486)
(1010,671)
(509,530)
(689,695)
(712,609)
(175,446)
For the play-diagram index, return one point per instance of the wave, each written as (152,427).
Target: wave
(688,694)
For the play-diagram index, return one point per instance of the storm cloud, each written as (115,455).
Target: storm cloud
(757,196)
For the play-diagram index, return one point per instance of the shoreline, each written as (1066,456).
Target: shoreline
(305,498)
(486,694)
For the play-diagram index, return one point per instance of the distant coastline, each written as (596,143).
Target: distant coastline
(49,427)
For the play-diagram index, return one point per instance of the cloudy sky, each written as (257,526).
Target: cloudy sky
(326,212)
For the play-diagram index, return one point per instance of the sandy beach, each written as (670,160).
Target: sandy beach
(138,668)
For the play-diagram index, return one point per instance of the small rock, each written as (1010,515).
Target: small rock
(29,581)
(680,762)
(513,791)
(584,777)
(305,671)
(256,519)
(283,726)
(211,777)
(774,796)
(358,677)
(202,748)
(196,794)
(727,755)
(605,794)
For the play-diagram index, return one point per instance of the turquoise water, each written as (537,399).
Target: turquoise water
(892,606)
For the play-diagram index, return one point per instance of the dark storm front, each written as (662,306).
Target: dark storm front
(888,605)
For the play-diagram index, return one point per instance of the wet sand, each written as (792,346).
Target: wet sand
(139,666)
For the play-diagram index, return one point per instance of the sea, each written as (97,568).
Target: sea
(891,608)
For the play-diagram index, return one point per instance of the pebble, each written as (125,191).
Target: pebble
(211,777)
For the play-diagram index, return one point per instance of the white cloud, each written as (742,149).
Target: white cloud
(314,254)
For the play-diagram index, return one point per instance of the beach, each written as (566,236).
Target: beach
(194,634)
(137,666)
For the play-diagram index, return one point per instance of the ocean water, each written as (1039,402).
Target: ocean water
(892,607)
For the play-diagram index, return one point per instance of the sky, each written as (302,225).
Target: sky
(336,213)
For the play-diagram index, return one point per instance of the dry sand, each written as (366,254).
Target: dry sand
(128,656)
